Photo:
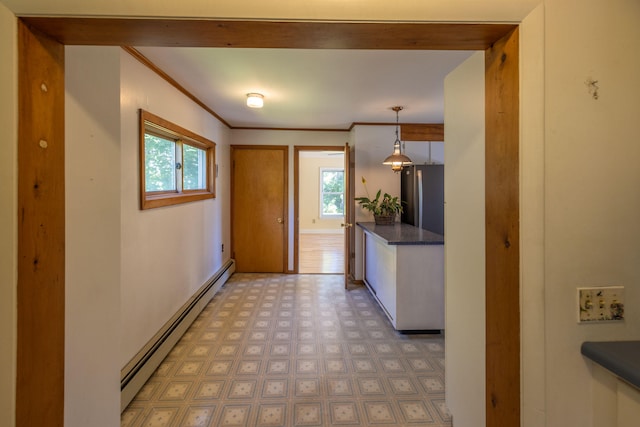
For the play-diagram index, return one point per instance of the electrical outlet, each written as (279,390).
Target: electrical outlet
(600,304)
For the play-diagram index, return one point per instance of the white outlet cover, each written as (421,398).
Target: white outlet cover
(601,304)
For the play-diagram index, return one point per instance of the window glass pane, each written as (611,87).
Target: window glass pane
(332,192)
(332,181)
(333,204)
(194,163)
(160,164)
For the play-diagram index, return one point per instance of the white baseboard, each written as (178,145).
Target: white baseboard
(136,373)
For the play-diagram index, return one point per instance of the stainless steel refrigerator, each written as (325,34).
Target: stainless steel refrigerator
(422,188)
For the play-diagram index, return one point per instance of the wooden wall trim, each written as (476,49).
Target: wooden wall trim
(415,130)
(41,231)
(422,132)
(288,129)
(502,205)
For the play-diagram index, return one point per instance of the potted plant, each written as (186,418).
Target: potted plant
(384,207)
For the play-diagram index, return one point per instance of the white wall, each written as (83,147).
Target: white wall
(290,139)
(8,212)
(92,183)
(375,10)
(465,242)
(309,219)
(166,253)
(532,218)
(592,196)
(128,271)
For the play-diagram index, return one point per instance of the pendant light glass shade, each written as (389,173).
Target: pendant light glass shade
(397,160)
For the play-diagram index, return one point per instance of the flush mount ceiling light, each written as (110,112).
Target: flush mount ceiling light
(255,100)
(397,160)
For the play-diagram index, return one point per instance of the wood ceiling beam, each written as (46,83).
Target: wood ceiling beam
(269,34)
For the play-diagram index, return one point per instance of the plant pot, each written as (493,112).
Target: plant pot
(384,219)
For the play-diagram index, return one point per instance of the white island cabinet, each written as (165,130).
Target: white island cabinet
(616,382)
(404,270)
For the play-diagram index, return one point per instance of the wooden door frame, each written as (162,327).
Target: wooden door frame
(296,193)
(41,224)
(285,173)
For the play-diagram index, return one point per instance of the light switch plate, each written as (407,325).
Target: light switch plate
(603,304)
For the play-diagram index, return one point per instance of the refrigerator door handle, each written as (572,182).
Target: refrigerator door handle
(419,204)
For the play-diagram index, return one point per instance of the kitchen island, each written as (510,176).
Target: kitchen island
(616,381)
(404,270)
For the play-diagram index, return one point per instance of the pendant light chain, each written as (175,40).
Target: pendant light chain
(397,110)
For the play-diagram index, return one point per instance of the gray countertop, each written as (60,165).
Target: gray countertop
(622,358)
(402,234)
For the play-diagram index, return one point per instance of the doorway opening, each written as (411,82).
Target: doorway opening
(320,210)
(40,384)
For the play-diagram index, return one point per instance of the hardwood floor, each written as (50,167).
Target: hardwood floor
(321,253)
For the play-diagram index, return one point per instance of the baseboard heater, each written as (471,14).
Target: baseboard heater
(136,373)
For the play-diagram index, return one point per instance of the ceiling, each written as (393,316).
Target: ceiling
(312,88)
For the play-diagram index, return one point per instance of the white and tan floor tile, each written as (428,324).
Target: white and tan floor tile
(295,350)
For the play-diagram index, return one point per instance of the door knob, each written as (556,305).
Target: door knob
(346,225)
(280,220)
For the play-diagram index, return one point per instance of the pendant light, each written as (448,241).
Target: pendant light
(397,160)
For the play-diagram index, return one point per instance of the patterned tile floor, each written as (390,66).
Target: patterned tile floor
(295,350)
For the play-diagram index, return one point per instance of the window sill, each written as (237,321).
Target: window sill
(169,199)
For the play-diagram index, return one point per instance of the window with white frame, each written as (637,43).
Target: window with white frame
(331,192)
(176,165)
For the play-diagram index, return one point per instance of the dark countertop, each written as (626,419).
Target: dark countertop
(622,358)
(402,234)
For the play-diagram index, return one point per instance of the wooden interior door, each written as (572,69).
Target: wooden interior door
(259,208)
(348,213)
